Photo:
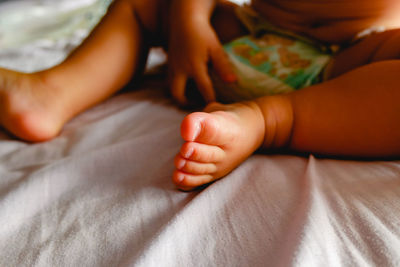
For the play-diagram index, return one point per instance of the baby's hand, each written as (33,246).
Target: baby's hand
(193,45)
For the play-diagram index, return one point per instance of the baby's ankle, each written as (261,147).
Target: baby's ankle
(27,106)
(278,118)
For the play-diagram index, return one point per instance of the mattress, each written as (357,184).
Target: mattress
(100,194)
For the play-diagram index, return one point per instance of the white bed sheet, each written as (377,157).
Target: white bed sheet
(100,195)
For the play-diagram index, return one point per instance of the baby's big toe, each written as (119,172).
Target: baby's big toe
(205,128)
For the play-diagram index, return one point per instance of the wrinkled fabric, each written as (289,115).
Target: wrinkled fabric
(101,194)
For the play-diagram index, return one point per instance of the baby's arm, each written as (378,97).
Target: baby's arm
(356,114)
(193,44)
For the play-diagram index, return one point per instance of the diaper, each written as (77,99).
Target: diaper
(270,61)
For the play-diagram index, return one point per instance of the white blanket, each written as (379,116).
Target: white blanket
(100,194)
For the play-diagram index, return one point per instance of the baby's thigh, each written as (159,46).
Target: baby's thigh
(373,48)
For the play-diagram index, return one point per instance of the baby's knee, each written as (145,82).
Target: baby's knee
(226,23)
(390,46)
(152,14)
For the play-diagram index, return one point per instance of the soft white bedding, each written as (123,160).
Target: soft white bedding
(100,195)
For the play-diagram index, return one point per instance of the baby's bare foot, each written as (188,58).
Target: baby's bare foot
(29,108)
(217,141)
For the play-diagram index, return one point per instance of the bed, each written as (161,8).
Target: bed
(100,194)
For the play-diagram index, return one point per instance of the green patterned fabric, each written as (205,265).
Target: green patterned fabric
(269,61)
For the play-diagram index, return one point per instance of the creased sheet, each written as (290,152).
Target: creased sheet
(100,195)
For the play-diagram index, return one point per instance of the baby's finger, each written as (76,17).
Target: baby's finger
(204,83)
(178,86)
(222,65)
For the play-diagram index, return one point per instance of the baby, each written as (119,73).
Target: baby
(355,112)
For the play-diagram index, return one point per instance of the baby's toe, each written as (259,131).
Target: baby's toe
(193,167)
(205,128)
(187,181)
(202,152)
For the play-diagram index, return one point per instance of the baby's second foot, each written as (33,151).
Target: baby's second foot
(216,142)
(28,107)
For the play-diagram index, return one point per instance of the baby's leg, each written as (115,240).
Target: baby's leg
(35,106)
(376,47)
(355,114)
